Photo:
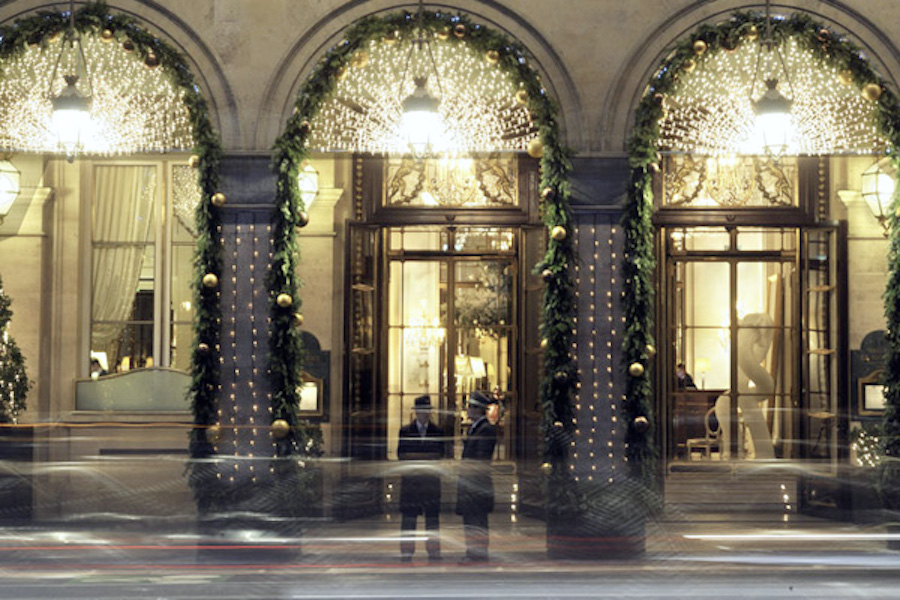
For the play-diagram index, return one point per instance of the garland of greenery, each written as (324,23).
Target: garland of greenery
(94,19)
(291,149)
(833,50)
(14,383)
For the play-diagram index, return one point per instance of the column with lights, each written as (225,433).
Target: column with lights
(598,446)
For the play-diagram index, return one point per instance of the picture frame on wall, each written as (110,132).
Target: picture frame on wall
(871,394)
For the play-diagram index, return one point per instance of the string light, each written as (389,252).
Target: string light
(478,104)
(133,109)
(710,110)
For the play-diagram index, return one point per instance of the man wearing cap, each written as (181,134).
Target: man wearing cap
(420,486)
(475,489)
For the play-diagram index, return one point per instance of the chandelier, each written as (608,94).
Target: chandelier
(480,108)
(713,108)
(134,107)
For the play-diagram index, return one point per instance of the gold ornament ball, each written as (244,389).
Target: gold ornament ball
(443,34)
(547,274)
(535,148)
(128,46)
(298,320)
(845,77)
(213,433)
(636,369)
(280,428)
(547,193)
(752,32)
(558,424)
(522,97)
(544,344)
(194,161)
(203,347)
(302,218)
(689,65)
(218,199)
(284,300)
(651,350)
(699,47)
(872,92)
(558,233)
(152,60)
(641,424)
(391,38)
(107,36)
(459,30)
(547,468)
(492,56)
(360,59)
(210,280)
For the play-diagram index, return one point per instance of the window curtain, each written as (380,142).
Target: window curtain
(123,219)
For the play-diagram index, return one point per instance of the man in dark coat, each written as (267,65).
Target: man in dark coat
(475,489)
(420,486)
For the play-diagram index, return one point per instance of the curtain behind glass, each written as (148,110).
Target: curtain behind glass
(123,213)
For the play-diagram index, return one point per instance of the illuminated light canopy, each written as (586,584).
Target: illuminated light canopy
(477,106)
(133,108)
(710,110)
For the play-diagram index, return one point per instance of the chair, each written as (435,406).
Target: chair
(707,443)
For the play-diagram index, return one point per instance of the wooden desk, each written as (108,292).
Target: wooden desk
(688,409)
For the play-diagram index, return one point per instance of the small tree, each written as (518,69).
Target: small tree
(14,382)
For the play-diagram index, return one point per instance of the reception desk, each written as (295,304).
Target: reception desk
(688,409)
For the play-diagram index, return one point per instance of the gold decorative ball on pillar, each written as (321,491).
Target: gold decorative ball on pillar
(284,300)
(106,36)
(194,161)
(871,92)
(302,218)
(213,434)
(492,56)
(641,424)
(280,429)
(699,47)
(210,280)
(547,193)
(298,320)
(635,369)
(846,77)
(218,199)
(558,233)
(546,468)
(522,97)
(535,148)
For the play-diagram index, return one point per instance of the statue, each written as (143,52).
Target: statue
(755,332)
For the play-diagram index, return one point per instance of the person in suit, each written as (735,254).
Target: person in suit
(420,487)
(475,489)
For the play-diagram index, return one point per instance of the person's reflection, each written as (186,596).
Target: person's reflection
(683,379)
(97,370)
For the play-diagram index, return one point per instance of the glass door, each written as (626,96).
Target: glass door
(450,325)
(733,333)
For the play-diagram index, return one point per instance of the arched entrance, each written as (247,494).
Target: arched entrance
(749,251)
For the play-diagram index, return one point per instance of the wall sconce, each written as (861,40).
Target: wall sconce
(308,183)
(9,187)
(879,182)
